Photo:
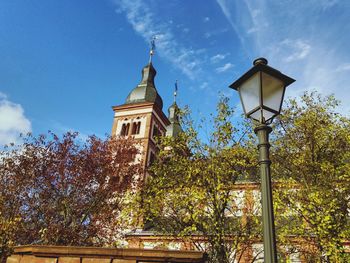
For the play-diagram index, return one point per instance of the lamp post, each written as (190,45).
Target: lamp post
(261,90)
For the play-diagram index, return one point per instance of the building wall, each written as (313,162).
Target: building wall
(66,254)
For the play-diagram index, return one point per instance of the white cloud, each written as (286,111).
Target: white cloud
(224,5)
(217,58)
(299,49)
(252,30)
(302,41)
(214,33)
(206,19)
(145,23)
(343,67)
(326,4)
(207,35)
(224,68)
(228,8)
(255,12)
(204,85)
(13,122)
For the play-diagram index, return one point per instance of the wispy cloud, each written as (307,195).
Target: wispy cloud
(326,4)
(13,121)
(224,68)
(145,23)
(206,19)
(218,57)
(240,15)
(299,49)
(214,33)
(302,40)
(207,34)
(204,85)
(343,67)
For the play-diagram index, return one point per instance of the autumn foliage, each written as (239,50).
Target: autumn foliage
(60,190)
(190,195)
(310,154)
(191,191)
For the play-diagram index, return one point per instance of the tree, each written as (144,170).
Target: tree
(61,191)
(8,230)
(191,193)
(311,153)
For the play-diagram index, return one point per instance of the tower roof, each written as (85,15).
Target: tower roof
(173,113)
(174,128)
(146,91)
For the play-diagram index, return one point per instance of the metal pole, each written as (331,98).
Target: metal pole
(270,254)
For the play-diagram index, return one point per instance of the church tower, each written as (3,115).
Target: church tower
(141,115)
(174,128)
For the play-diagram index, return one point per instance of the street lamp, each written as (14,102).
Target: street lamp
(261,90)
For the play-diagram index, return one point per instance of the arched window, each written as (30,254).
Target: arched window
(125,129)
(156,132)
(136,128)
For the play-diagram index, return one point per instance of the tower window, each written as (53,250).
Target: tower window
(136,128)
(156,132)
(152,158)
(125,129)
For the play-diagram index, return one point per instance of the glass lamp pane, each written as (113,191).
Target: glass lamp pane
(272,92)
(250,94)
(266,114)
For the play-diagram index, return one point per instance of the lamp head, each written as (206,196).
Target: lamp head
(261,90)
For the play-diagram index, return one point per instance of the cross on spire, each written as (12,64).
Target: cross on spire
(153,48)
(175,91)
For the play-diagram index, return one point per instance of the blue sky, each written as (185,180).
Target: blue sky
(64,63)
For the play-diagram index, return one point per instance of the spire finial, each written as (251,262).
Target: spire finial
(175,91)
(153,48)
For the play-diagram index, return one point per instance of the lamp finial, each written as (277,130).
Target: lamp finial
(260,61)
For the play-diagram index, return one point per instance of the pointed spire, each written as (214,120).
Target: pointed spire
(153,48)
(146,91)
(175,91)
